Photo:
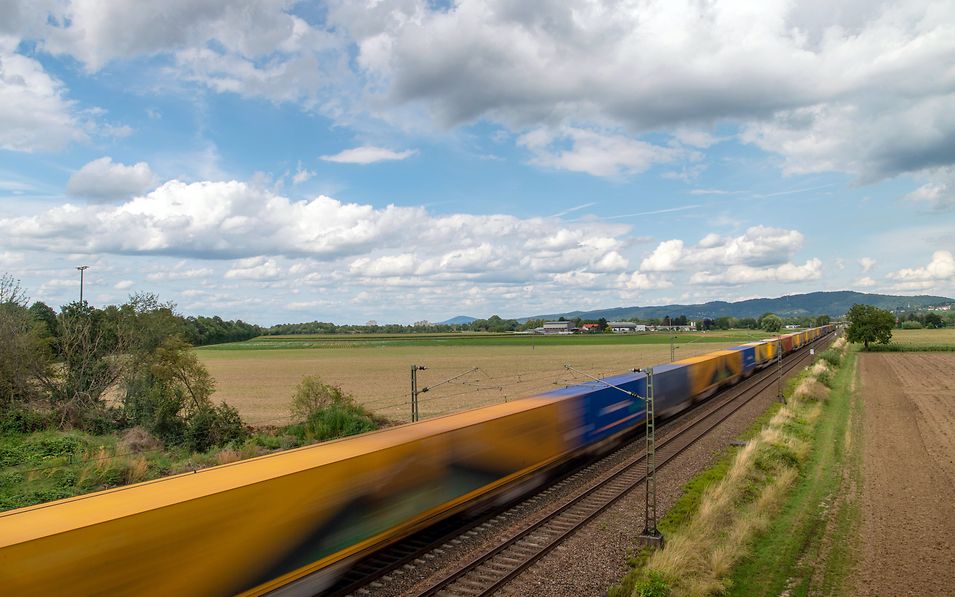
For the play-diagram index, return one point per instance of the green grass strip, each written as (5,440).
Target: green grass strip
(802,550)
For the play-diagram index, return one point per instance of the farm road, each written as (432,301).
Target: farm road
(908,511)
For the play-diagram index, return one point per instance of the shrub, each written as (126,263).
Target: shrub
(214,426)
(911,325)
(24,419)
(326,412)
(340,420)
(313,395)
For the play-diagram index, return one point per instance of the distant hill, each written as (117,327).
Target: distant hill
(834,304)
(459,320)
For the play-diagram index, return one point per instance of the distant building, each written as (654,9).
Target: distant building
(626,326)
(558,327)
(690,327)
(793,326)
(590,327)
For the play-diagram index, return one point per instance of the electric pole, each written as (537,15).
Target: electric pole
(82,268)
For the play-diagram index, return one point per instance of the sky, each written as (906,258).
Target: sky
(397,161)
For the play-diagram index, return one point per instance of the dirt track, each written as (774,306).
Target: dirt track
(908,497)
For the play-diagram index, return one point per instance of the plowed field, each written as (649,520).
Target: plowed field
(908,497)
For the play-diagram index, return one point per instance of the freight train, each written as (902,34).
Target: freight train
(291,522)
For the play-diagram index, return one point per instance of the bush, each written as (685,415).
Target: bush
(340,420)
(24,419)
(313,395)
(911,325)
(326,412)
(211,426)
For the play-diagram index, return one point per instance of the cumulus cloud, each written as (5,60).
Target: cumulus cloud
(866,263)
(938,193)
(104,179)
(745,274)
(35,114)
(367,154)
(864,282)
(940,268)
(123,285)
(592,152)
(761,254)
(255,268)
(235,220)
(641,281)
(758,246)
(859,88)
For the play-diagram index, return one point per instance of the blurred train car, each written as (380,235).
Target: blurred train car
(294,520)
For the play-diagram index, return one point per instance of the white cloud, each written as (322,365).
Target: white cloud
(938,193)
(641,281)
(367,154)
(864,282)
(861,87)
(758,246)
(180,273)
(107,180)
(255,268)
(124,285)
(592,152)
(34,112)
(665,258)
(745,274)
(228,220)
(867,263)
(941,267)
(302,174)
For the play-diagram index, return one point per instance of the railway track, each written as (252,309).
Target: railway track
(488,571)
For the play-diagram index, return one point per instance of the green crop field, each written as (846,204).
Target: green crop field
(258,376)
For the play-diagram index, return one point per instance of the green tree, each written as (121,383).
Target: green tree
(42,312)
(869,324)
(771,323)
(934,321)
(25,354)
(822,320)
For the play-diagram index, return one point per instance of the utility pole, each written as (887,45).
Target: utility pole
(651,534)
(779,369)
(672,348)
(82,268)
(414,390)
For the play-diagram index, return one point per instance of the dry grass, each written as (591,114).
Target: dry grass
(137,440)
(810,388)
(137,469)
(260,382)
(226,456)
(699,557)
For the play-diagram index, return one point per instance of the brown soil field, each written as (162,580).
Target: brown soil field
(260,382)
(908,497)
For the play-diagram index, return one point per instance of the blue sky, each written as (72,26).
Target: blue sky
(397,160)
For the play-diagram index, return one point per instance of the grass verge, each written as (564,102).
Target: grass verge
(745,525)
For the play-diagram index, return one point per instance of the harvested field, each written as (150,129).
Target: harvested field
(908,515)
(260,382)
